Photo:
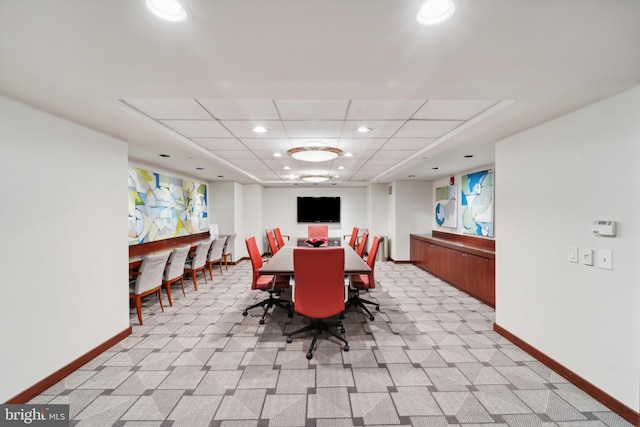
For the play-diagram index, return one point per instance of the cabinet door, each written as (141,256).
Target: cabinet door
(480,277)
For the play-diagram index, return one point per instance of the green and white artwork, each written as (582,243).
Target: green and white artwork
(477,203)
(446,214)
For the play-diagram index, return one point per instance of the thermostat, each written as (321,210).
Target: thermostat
(604,228)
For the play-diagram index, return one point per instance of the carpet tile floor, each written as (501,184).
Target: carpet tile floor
(430,358)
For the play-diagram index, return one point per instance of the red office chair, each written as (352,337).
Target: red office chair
(318,291)
(318,232)
(267,283)
(353,241)
(363,244)
(364,282)
(272,242)
(279,237)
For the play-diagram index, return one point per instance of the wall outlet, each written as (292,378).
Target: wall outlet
(586,256)
(605,259)
(573,254)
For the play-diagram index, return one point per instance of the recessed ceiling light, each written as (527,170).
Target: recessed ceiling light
(348,154)
(434,12)
(200,169)
(363,129)
(435,168)
(468,156)
(222,176)
(340,168)
(164,155)
(260,129)
(286,168)
(277,155)
(412,176)
(169,10)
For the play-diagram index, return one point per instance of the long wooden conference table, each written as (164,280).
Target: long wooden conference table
(282,261)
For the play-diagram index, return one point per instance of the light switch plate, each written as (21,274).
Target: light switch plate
(586,256)
(573,254)
(605,259)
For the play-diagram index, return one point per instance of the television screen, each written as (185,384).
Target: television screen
(318,209)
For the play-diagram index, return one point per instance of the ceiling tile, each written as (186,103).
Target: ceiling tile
(299,109)
(243,128)
(383,109)
(452,109)
(379,128)
(313,129)
(393,154)
(361,144)
(160,109)
(198,128)
(273,144)
(426,128)
(241,109)
(215,144)
(406,143)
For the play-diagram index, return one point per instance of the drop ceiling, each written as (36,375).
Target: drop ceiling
(316,70)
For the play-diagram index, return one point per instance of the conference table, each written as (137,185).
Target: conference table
(282,261)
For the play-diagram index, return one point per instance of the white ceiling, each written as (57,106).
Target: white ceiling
(316,70)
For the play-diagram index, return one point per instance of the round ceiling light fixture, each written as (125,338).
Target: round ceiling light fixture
(435,12)
(315,178)
(314,152)
(169,10)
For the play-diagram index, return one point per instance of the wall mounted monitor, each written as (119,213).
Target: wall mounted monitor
(318,209)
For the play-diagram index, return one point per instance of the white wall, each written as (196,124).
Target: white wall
(280,209)
(253,208)
(64,243)
(555,180)
(410,212)
(444,182)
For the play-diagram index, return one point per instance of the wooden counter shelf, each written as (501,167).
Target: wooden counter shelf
(466,262)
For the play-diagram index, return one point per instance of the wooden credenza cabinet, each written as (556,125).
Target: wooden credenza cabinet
(466,262)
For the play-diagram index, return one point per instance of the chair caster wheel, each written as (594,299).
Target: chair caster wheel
(346,347)
(309,355)
(371,317)
(244,313)
(261,321)
(289,340)
(342,331)
(378,307)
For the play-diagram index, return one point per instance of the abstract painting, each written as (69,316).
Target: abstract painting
(477,203)
(446,214)
(161,207)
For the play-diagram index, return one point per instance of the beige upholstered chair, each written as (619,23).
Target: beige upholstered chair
(215,254)
(148,280)
(227,251)
(174,270)
(198,262)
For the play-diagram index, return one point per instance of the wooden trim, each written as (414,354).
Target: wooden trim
(63,372)
(479,242)
(601,396)
(158,245)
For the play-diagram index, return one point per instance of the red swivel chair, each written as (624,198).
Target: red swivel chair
(353,241)
(364,282)
(279,237)
(318,232)
(272,242)
(363,244)
(266,283)
(318,291)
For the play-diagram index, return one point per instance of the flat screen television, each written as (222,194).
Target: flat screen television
(318,209)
